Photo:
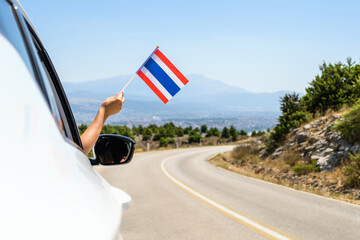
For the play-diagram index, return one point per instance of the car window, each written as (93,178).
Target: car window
(9,28)
(59,104)
(50,84)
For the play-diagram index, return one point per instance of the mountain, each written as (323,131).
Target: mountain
(201,98)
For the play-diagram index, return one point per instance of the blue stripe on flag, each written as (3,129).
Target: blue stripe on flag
(162,77)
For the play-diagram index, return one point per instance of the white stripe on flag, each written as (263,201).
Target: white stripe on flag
(167,70)
(156,83)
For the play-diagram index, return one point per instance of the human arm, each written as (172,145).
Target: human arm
(109,107)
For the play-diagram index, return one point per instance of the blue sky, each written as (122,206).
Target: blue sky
(259,45)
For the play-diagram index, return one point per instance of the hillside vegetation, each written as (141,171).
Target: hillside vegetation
(171,136)
(315,145)
(337,85)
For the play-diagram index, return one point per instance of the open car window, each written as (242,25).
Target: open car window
(51,86)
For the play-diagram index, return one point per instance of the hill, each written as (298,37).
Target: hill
(202,98)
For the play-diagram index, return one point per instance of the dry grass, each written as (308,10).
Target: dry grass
(336,176)
(291,158)
(244,154)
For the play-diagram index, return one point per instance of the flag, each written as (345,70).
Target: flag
(161,76)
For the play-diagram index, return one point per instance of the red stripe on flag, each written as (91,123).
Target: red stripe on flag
(171,67)
(152,86)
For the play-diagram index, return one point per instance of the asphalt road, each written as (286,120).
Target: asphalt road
(177,194)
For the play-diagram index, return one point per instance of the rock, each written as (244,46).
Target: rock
(342,154)
(355,148)
(301,137)
(312,140)
(280,149)
(309,149)
(321,133)
(344,146)
(333,145)
(315,157)
(328,163)
(315,124)
(276,155)
(307,127)
(334,137)
(278,152)
(327,152)
(295,130)
(318,147)
(333,118)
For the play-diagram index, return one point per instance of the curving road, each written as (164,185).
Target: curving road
(177,194)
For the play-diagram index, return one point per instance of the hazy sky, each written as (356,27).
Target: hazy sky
(257,45)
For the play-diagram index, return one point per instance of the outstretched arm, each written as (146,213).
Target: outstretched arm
(110,106)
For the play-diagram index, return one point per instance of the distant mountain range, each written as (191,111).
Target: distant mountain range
(201,98)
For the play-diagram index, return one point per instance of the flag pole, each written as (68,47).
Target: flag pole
(139,69)
(128,82)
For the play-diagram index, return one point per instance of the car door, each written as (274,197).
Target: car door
(52,190)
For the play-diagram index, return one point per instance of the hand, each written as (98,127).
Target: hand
(113,105)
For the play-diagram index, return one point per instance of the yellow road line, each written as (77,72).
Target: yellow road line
(242,218)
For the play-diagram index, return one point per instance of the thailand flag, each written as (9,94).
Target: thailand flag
(161,76)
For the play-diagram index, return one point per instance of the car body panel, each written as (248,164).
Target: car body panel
(49,189)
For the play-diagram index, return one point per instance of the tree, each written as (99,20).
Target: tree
(215,132)
(233,133)
(179,132)
(336,85)
(225,133)
(161,133)
(147,134)
(140,129)
(203,128)
(82,128)
(187,130)
(293,114)
(135,130)
(194,137)
(242,132)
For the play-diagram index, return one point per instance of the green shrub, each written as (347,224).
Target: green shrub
(293,115)
(336,85)
(350,126)
(171,140)
(303,169)
(163,142)
(352,171)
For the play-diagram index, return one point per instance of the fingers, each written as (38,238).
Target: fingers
(119,95)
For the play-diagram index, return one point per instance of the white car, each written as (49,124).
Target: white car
(48,187)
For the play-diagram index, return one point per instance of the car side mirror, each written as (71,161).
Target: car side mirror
(113,149)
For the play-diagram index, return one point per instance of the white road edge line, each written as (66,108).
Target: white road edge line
(221,207)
